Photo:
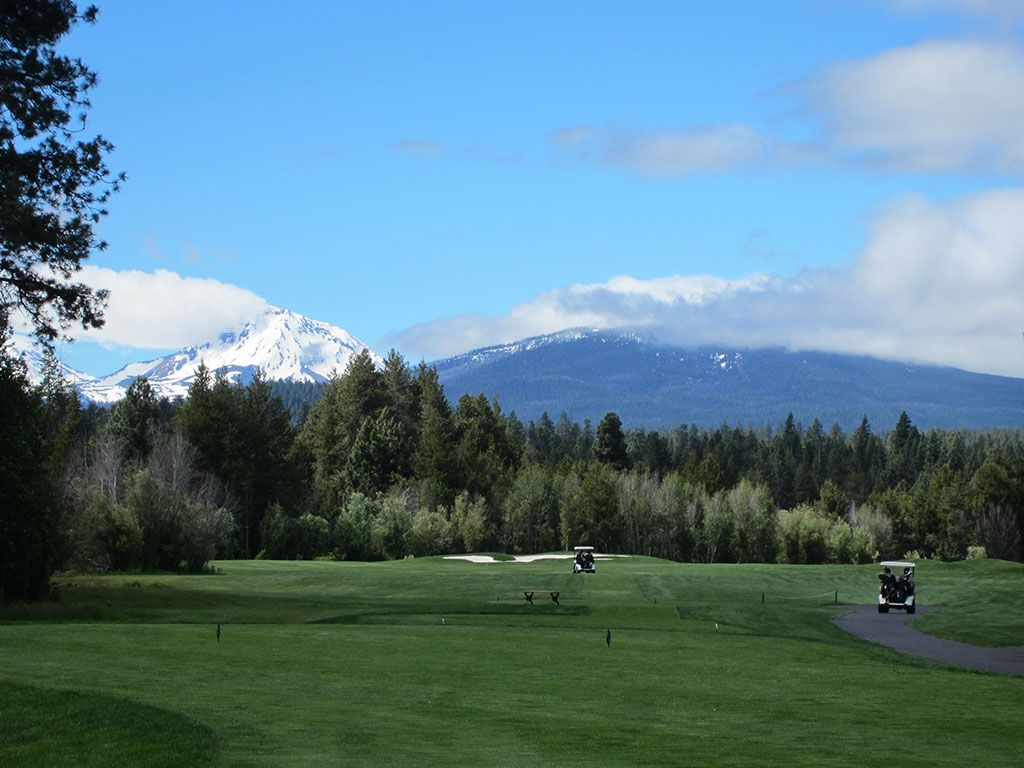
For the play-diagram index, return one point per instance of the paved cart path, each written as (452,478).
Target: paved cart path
(894,630)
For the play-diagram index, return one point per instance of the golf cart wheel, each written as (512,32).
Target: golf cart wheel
(912,608)
(883,608)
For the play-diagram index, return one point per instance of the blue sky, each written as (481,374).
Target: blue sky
(435,176)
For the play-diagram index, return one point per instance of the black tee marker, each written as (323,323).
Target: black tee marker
(608,638)
(218,633)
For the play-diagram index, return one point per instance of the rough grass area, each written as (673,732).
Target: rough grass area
(433,662)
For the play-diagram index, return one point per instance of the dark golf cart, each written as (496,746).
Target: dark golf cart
(584,562)
(896,592)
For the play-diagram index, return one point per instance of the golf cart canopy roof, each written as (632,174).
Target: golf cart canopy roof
(897,564)
(583,549)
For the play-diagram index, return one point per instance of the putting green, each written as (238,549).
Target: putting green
(350,664)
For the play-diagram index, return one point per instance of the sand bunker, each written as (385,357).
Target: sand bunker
(525,558)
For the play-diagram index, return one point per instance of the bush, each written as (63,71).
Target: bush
(207,533)
(390,529)
(803,534)
(430,534)
(279,535)
(118,534)
(470,522)
(999,533)
(531,512)
(714,541)
(160,514)
(175,534)
(683,506)
(976,553)
(840,543)
(872,533)
(352,532)
(312,537)
(865,548)
(753,513)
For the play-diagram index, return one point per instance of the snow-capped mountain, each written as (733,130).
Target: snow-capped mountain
(284,344)
(24,347)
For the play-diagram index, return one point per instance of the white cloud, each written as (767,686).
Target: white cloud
(935,106)
(162,309)
(670,153)
(937,283)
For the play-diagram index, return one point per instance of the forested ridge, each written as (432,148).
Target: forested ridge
(382,466)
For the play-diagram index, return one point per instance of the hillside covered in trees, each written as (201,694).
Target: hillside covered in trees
(382,466)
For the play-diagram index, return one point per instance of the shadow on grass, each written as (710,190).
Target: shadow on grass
(39,727)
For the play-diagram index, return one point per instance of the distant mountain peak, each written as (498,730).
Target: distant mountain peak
(285,345)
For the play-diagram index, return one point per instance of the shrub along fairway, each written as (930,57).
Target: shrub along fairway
(434,662)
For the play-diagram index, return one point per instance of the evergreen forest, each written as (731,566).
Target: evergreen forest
(382,466)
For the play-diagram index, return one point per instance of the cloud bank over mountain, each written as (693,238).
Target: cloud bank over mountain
(936,283)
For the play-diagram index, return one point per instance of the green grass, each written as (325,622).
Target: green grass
(350,664)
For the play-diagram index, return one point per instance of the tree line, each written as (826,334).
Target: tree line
(383,466)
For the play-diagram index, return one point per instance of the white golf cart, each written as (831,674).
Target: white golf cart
(584,562)
(896,592)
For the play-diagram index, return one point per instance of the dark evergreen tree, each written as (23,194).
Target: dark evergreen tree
(541,445)
(610,443)
(379,455)
(517,434)
(903,441)
(65,423)
(135,419)
(584,447)
(267,470)
(484,452)
(433,461)
(567,433)
(298,397)
(53,182)
(531,511)
(814,453)
(334,422)
(599,507)
(29,535)
(867,460)
(401,394)
(832,502)
(196,421)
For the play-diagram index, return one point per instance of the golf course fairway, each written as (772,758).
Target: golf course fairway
(433,662)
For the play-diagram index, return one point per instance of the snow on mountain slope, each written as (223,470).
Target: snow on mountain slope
(284,344)
(24,347)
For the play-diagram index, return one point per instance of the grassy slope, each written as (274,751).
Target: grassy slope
(338,663)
